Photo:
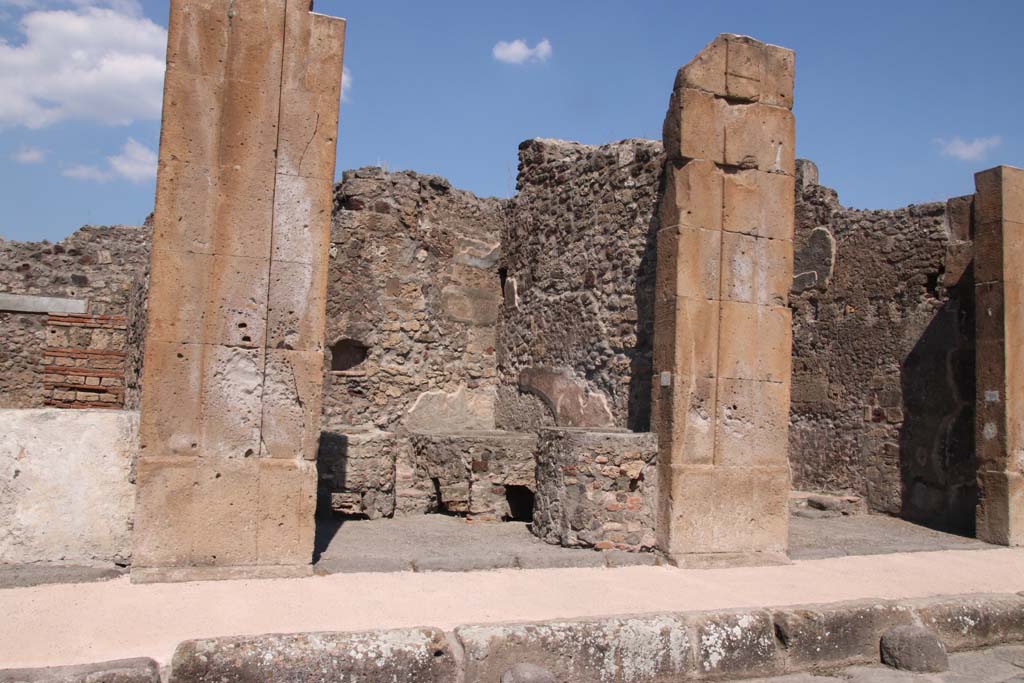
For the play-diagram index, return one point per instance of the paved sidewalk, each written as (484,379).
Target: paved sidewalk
(90,622)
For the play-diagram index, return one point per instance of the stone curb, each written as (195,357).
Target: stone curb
(138,670)
(656,648)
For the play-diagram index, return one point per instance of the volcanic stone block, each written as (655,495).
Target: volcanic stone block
(695,126)
(401,656)
(357,472)
(837,635)
(232,400)
(686,336)
(748,506)
(471,472)
(758,203)
(913,648)
(235,350)
(755,342)
(287,501)
(741,68)
(967,622)
(683,415)
(596,488)
(302,213)
(756,270)
(689,260)
(170,423)
(649,648)
(291,403)
(298,294)
(224,512)
(137,670)
(999,354)
(722,329)
(163,509)
(737,644)
(752,422)
(693,195)
(760,136)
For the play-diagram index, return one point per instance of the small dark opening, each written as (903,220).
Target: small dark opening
(347,354)
(503,277)
(442,507)
(520,503)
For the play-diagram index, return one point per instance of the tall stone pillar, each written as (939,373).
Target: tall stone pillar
(999,353)
(226,475)
(722,338)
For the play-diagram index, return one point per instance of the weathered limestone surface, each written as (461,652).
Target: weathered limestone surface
(999,346)
(722,334)
(66,490)
(596,488)
(234,346)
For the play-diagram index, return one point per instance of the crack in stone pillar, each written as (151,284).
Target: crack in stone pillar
(723,338)
(999,353)
(226,476)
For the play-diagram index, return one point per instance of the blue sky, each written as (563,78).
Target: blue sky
(897,102)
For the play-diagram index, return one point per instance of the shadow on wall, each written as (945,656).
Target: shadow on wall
(937,378)
(331,466)
(642,361)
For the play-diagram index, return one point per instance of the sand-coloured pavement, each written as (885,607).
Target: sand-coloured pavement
(89,622)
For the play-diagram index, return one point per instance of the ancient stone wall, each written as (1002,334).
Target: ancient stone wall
(882,316)
(413,299)
(575,330)
(96,264)
(883,355)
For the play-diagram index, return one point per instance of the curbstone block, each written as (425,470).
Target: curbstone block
(913,648)
(136,670)
(835,636)
(620,649)
(398,656)
(973,621)
(736,644)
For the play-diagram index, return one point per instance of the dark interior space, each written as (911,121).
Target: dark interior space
(520,503)
(346,354)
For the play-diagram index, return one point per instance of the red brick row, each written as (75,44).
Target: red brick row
(82,372)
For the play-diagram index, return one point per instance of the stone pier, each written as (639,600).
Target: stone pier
(234,349)
(723,337)
(999,360)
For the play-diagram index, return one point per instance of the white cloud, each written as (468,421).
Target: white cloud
(968,150)
(518,52)
(346,83)
(136,163)
(85,172)
(29,155)
(89,63)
